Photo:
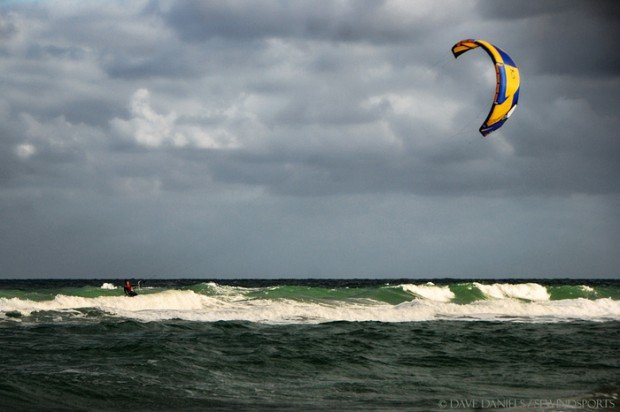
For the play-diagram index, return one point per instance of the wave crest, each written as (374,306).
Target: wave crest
(430,292)
(525,291)
(191,306)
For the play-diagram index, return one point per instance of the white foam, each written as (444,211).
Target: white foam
(229,293)
(174,300)
(187,305)
(526,291)
(430,292)
(587,288)
(108,286)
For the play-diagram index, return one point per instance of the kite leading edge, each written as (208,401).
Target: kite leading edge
(508,82)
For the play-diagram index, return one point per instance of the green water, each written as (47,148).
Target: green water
(236,365)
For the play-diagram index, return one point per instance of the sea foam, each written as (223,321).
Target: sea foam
(430,291)
(526,291)
(191,306)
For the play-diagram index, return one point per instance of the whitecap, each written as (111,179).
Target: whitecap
(430,292)
(526,291)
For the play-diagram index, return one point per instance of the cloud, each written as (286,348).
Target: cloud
(347,131)
(152,130)
(7,26)
(25,151)
(583,44)
(347,21)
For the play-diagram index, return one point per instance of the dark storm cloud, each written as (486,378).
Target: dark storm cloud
(571,37)
(505,9)
(365,20)
(198,137)
(7,27)
(162,64)
(316,93)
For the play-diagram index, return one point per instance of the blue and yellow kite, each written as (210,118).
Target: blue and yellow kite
(508,82)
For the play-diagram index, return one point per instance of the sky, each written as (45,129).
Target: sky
(306,139)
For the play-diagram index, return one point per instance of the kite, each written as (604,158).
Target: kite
(508,83)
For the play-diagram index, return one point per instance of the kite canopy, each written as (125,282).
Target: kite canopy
(508,82)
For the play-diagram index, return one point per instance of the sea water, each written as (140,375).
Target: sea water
(310,344)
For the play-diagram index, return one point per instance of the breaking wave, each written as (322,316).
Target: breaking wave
(210,302)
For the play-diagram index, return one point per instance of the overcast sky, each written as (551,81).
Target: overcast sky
(306,139)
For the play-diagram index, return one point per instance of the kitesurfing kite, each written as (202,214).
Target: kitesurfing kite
(507,89)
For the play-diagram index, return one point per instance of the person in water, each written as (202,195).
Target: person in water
(129,289)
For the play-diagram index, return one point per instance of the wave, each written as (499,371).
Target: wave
(456,292)
(430,291)
(236,305)
(525,291)
(465,292)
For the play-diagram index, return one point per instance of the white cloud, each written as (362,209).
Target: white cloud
(151,129)
(25,151)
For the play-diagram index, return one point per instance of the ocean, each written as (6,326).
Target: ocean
(312,344)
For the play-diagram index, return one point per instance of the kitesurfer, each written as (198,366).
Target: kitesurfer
(129,289)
